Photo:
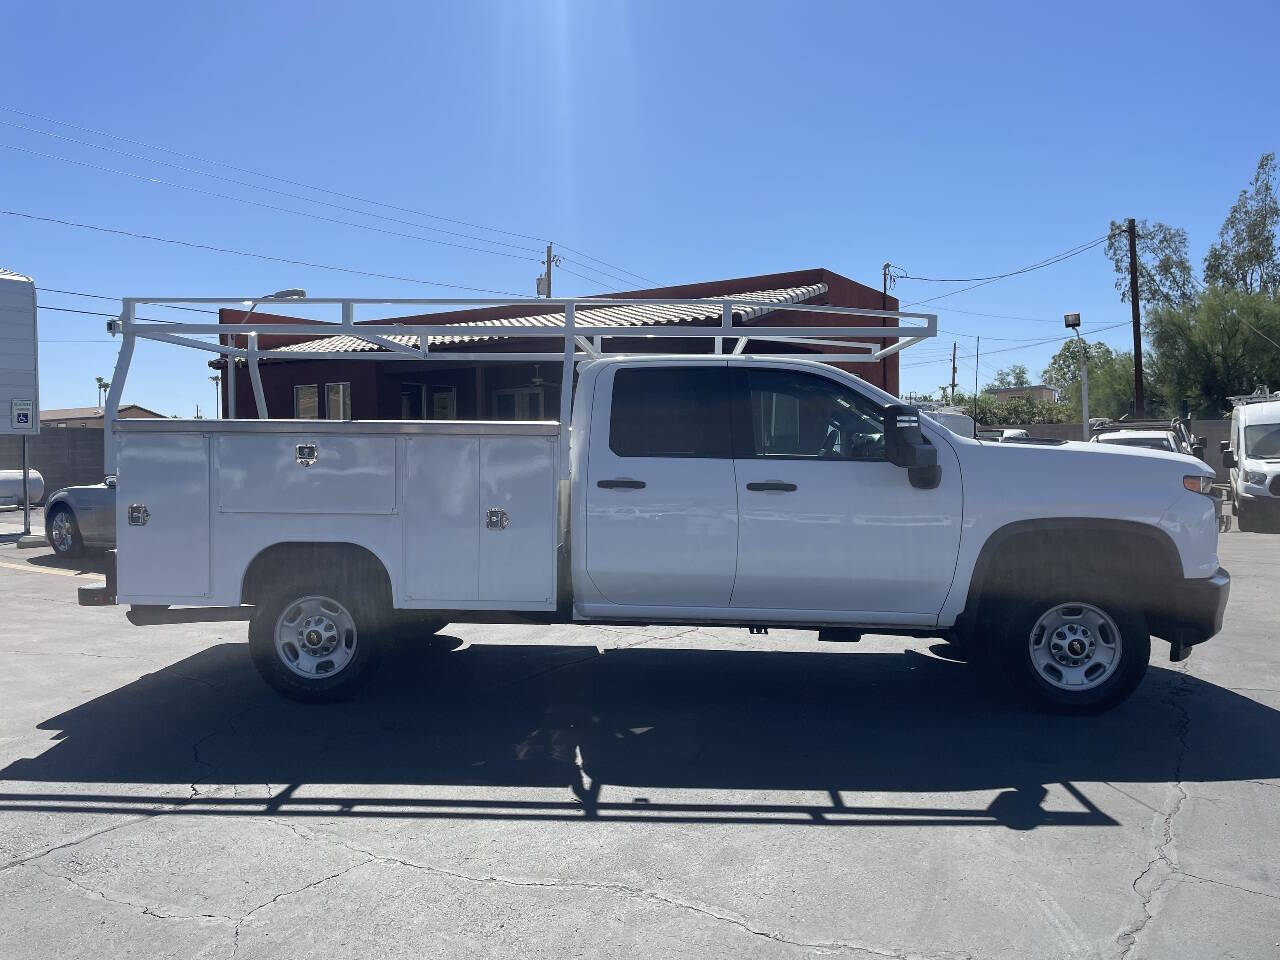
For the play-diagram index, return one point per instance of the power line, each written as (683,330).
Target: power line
(265,176)
(983,281)
(103,296)
(299,183)
(1028,346)
(606,263)
(242,183)
(263,205)
(256,256)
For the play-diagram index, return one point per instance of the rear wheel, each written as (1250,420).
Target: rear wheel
(1082,651)
(318,639)
(64,532)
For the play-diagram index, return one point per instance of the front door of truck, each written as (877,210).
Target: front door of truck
(826,523)
(661,506)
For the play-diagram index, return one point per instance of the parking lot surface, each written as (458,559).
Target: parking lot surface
(564,792)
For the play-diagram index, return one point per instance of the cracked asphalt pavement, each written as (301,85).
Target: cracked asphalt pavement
(602,792)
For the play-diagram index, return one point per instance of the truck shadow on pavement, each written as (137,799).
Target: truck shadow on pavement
(626,734)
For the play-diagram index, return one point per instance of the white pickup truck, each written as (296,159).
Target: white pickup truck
(753,491)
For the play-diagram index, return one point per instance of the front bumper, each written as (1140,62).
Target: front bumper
(1200,605)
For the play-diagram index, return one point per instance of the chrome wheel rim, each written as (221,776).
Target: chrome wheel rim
(1075,646)
(315,637)
(62,531)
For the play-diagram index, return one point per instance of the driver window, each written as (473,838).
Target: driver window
(798,415)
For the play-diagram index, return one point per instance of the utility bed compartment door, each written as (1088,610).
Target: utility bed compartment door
(306,473)
(518,502)
(162,516)
(480,522)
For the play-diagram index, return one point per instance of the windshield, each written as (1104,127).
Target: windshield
(1262,441)
(1153,443)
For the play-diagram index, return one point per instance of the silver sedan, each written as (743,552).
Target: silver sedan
(80,518)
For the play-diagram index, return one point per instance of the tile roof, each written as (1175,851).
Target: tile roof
(623,316)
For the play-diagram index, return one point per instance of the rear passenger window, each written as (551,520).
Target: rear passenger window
(670,412)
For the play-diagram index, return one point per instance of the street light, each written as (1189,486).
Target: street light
(1072,321)
(289,293)
(216,380)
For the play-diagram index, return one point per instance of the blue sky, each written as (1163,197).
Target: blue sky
(682,141)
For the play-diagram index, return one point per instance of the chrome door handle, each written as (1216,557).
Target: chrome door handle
(772,485)
(621,484)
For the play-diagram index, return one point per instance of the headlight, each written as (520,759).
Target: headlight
(1199,484)
(1256,477)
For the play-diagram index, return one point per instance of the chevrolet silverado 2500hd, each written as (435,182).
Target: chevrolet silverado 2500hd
(715,488)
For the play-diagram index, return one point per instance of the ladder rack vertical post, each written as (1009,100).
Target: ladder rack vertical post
(112,405)
(230,385)
(726,323)
(566,390)
(255,378)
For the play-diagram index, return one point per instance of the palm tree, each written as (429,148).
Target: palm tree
(103,387)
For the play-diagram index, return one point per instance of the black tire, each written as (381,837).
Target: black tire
(1012,662)
(366,605)
(1245,521)
(69,549)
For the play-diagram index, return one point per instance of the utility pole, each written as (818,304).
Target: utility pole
(1139,401)
(953,371)
(884,285)
(544,281)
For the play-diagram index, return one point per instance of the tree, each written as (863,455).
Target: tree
(1110,380)
(1164,269)
(1011,376)
(1223,345)
(1244,258)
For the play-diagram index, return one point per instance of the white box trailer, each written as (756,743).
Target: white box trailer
(713,487)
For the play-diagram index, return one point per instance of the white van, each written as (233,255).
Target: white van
(1253,454)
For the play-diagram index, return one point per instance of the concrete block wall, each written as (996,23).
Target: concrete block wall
(65,456)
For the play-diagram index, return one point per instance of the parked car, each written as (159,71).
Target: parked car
(1173,436)
(1253,456)
(80,518)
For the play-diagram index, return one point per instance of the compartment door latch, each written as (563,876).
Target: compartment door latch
(306,454)
(138,514)
(496,518)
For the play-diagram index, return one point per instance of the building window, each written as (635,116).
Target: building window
(337,401)
(306,402)
(518,403)
(420,401)
(444,403)
(412,401)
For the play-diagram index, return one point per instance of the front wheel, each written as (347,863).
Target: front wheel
(64,533)
(1078,653)
(317,641)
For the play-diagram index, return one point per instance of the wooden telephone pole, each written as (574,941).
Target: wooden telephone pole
(1139,400)
(953,372)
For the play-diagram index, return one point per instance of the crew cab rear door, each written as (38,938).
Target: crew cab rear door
(661,506)
(826,523)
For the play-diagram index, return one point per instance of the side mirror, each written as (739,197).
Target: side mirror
(1229,459)
(905,446)
(1197,449)
(1224,445)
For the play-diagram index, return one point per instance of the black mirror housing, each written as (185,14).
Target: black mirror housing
(1229,459)
(905,446)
